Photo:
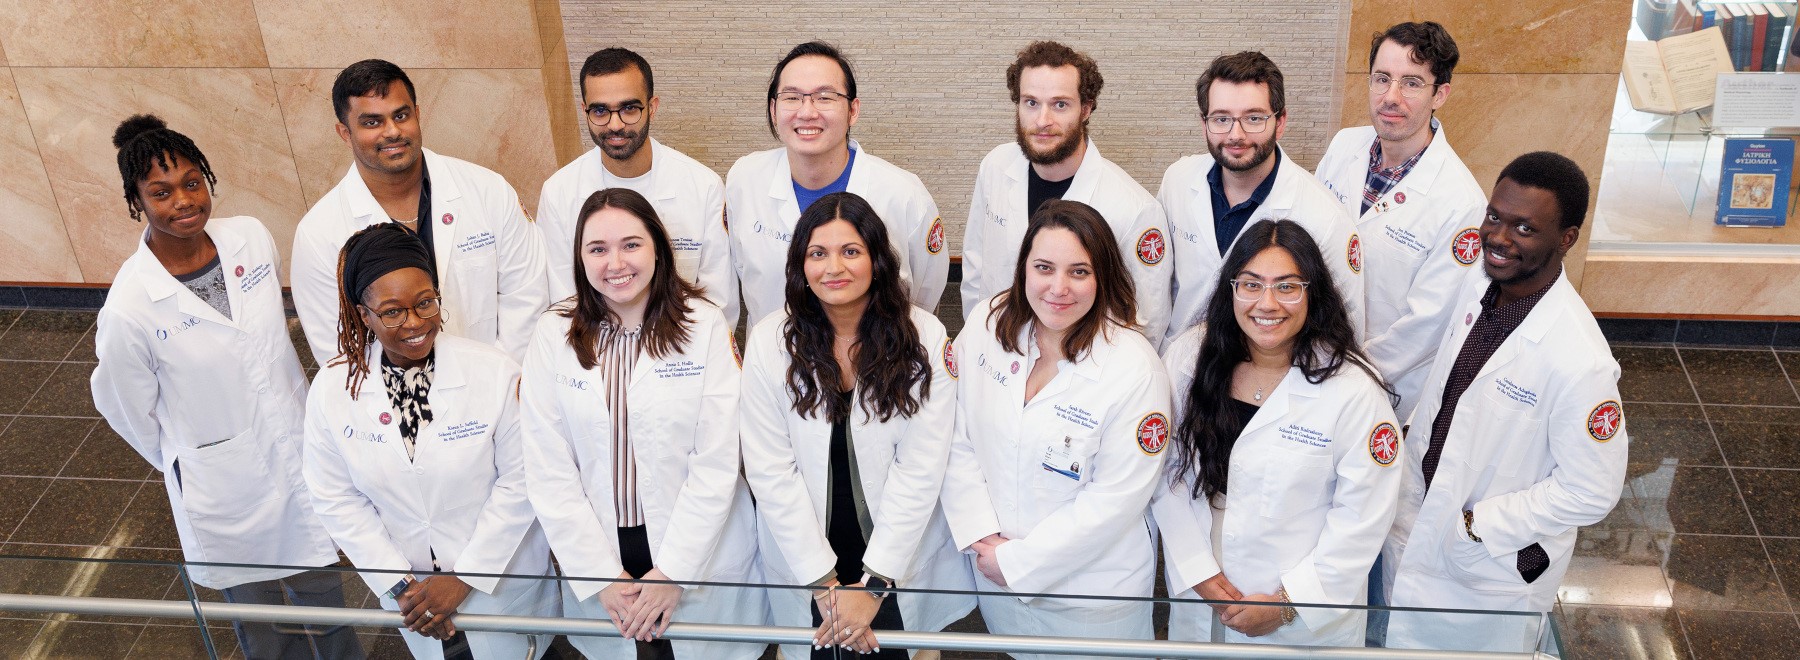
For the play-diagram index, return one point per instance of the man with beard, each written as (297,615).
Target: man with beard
(1245,177)
(490,261)
(1055,90)
(618,97)
(1419,205)
(1519,438)
(812,105)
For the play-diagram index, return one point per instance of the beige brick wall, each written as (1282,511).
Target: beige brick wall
(932,75)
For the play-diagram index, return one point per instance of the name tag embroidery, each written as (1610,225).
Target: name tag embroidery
(475,242)
(1305,436)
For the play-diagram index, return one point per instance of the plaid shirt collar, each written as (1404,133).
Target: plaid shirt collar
(1381,180)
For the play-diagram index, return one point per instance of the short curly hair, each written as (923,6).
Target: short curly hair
(1055,55)
(1430,43)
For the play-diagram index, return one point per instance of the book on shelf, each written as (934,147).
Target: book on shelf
(1676,74)
(1654,17)
(1759,35)
(1779,19)
(1753,182)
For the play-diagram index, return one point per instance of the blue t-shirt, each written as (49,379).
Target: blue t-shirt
(806,196)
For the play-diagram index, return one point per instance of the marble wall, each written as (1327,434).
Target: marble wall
(1534,75)
(249,81)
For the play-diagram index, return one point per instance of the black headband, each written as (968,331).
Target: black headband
(377,251)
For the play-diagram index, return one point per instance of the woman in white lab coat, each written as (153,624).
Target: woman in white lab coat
(420,469)
(846,421)
(630,396)
(1282,482)
(1059,438)
(198,374)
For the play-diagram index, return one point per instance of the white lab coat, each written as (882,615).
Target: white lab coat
(998,220)
(697,512)
(901,462)
(490,261)
(688,197)
(219,398)
(1413,239)
(1308,505)
(1295,196)
(461,500)
(1521,455)
(1084,534)
(762,211)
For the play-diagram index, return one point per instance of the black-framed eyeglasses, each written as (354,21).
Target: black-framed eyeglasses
(824,99)
(1221,124)
(1286,291)
(629,114)
(396,316)
(1412,87)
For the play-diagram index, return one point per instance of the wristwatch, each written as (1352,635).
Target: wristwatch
(878,587)
(399,587)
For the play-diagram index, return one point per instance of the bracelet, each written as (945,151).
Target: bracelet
(1287,613)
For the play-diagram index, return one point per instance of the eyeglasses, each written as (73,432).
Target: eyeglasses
(1221,124)
(822,100)
(1412,87)
(396,317)
(1286,291)
(598,114)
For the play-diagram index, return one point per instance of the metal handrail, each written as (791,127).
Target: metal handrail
(707,632)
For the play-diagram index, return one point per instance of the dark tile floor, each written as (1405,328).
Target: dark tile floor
(1701,559)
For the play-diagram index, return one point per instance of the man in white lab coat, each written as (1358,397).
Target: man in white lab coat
(1419,207)
(618,97)
(1519,438)
(1245,177)
(490,261)
(1055,90)
(812,105)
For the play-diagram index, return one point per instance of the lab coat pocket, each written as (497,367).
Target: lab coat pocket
(688,266)
(1297,482)
(226,480)
(474,307)
(1064,465)
(1468,562)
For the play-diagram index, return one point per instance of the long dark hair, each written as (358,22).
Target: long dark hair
(1205,435)
(1115,297)
(889,360)
(667,323)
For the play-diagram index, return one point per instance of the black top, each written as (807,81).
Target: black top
(1042,191)
(841,526)
(423,227)
(1245,411)
(1228,220)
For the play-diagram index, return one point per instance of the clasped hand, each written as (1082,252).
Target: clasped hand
(987,557)
(1250,620)
(641,610)
(845,616)
(426,607)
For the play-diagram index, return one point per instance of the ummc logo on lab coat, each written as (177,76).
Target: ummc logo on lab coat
(352,434)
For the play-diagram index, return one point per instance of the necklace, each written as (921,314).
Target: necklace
(1258,396)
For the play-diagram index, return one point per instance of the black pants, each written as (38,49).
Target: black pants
(268,641)
(886,618)
(634,553)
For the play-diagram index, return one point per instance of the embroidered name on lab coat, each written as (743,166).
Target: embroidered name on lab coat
(685,244)
(475,242)
(1405,238)
(680,369)
(1514,391)
(255,277)
(1304,435)
(1076,415)
(469,429)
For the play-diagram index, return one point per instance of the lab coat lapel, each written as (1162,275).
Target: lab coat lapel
(1275,405)
(781,190)
(1532,330)
(231,258)
(160,284)
(444,206)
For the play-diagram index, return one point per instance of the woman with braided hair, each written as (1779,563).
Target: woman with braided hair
(415,461)
(197,373)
